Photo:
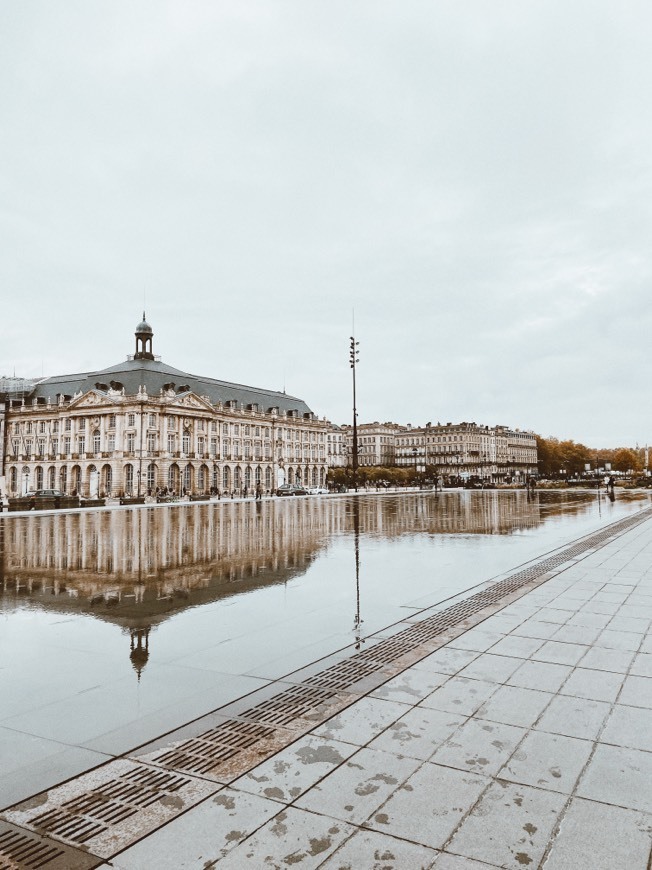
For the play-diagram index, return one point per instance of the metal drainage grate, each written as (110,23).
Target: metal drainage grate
(289,705)
(345,674)
(91,813)
(206,752)
(21,850)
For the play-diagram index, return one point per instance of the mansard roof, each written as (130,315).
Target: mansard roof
(155,375)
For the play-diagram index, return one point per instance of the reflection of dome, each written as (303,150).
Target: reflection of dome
(139,654)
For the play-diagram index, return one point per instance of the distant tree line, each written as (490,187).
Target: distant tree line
(568,458)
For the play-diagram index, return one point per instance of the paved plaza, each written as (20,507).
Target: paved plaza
(524,740)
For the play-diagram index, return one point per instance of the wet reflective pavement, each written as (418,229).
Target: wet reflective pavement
(119,626)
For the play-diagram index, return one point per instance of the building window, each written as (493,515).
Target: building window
(129,479)
(152,420)
(41,427)
(172,423)
(68,424)
(131,419)
(63,479)
(185,443)
(96,442)
(171,440)
(225,428)
(111,421)
(201,446)
(151,478)
(66,446)
(131,442)
(55,447)
(151,442)
(213,446)
(81,442)
(29,428)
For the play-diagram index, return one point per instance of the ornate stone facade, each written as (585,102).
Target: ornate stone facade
(142,426)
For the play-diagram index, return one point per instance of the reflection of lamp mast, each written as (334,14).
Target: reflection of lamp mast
(357,620)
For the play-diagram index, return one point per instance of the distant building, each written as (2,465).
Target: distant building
(142,425)
(459,450)
(376,443)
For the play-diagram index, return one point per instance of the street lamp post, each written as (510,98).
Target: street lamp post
(354,359)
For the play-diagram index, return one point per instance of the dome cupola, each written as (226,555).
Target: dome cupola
(144,335)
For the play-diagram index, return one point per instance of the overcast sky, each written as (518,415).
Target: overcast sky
(473,178)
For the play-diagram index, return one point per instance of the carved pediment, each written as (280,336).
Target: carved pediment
(190,400)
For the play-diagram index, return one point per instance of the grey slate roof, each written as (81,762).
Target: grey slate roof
(154,374)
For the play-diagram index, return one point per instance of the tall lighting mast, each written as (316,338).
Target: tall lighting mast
(354,358)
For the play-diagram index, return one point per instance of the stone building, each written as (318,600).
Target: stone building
(142,425)
(466,450)
(376,443)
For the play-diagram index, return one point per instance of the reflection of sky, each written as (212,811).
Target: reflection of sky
(68,676)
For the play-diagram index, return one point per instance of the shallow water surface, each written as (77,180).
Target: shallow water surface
(117,625)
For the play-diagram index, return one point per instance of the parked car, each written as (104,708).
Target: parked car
(291,489)
(317,490)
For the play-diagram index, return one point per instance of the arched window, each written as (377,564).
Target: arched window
(315,479)
(39,477)
(173,477)
(13,479)
(107,475)
(247,477)
(187,478)
(226,477)
(290,476)
(129,479)
(151,478)
(237,477)
(322,476)
(268,478)
(201,478)
(63,478)
(258,475)
(52,477)
(76,479)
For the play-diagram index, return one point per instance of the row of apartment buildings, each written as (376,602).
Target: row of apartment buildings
(142,426)
(451,450)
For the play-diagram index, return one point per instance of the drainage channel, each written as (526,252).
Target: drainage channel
(100,813)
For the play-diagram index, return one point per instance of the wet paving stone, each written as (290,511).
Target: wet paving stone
(515,706)
(362,722)
(574,717)
(205,835)
(293,838)
(595,836)
(291,772)
(429,806)
(370,850)
(593,685)
(479,746)
(510,826)
(411,686)
(460,695)
(549,761)
(359,786)
(418,733)
(540,675)
(629,727)
(619,776)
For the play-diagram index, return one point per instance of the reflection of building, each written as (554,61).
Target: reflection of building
(136,568)
(142,425)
